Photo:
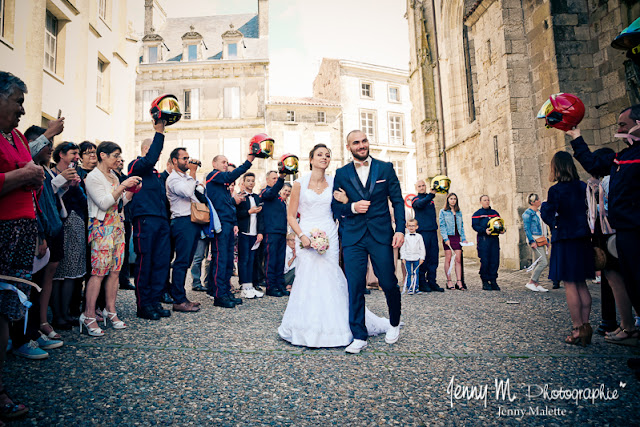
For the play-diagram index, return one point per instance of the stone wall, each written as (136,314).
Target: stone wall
(326,85)
(490,162)
(521,51)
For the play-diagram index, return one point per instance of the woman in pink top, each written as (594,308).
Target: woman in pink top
(20,181)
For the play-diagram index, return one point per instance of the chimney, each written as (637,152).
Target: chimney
(263,18)
(148,16)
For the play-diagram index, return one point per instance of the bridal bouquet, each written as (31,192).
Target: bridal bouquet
(319,241)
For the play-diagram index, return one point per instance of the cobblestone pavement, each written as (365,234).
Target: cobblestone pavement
(229,367)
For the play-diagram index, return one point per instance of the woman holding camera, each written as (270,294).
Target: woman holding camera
(74,207)
(106,236)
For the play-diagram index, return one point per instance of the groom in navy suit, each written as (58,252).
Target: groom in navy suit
(366,231)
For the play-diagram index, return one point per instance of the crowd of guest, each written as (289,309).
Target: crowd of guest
(78,209)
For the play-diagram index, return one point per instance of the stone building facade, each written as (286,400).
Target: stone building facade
(77,57)
(376,99)
(298,124)
(217,67)
(479,72)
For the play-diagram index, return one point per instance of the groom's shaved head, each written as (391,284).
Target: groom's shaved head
(351,133)
(358,144)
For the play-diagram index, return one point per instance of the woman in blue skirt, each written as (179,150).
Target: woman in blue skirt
(572,257)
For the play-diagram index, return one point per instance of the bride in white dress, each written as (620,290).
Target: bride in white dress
(317,314)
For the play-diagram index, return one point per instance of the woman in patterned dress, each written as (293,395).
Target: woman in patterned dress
(106,236)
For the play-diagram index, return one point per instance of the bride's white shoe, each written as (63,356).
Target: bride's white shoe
(356,346)
(392,335)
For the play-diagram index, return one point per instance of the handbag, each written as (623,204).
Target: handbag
(542,241)
(199,213)
(600,258)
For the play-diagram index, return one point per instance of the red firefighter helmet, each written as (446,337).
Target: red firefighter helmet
(165,107)
(288,164)
(261,145)
(562,111)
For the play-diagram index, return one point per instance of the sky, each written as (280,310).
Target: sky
(302,32)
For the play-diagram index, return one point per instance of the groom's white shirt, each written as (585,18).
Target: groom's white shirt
(363,171)
(363,174)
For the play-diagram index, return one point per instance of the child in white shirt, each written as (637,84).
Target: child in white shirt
(413,254)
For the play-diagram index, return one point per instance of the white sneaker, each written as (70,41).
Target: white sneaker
(597,280)
(356,346)
(257,293)
(542,288)
(532,287)
(247,291)
(392,335)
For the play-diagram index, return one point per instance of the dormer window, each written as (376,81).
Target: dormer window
(152,50)
(232,43)
(191,45)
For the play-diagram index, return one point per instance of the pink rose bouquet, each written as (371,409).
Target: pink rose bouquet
(319,241)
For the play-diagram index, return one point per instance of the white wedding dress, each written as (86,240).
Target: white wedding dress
(317,314)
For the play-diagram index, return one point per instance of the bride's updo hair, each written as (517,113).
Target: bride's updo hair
(313,152)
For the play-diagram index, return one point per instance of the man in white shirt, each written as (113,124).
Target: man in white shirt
(181,189)
(250,232)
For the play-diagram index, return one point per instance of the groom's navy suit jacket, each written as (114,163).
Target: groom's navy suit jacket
(382,185)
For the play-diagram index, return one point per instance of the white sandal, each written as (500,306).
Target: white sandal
(94,332)
(118,324)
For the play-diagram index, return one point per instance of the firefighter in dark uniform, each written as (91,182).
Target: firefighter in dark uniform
(222,245)
(151,232)
(425,213)
(488,244)
(274,214)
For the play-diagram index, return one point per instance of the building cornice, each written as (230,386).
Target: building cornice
(206,124)
(202,70)
(304,102)
(71,7)
(201,64)
(363,66)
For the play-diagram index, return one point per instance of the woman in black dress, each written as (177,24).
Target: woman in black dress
(572,259)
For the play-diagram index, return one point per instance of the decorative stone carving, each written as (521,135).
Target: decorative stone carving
(429,126)
(152,36)
(232,34)
(192,35)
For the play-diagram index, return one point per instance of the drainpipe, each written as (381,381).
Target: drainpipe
(437,80)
